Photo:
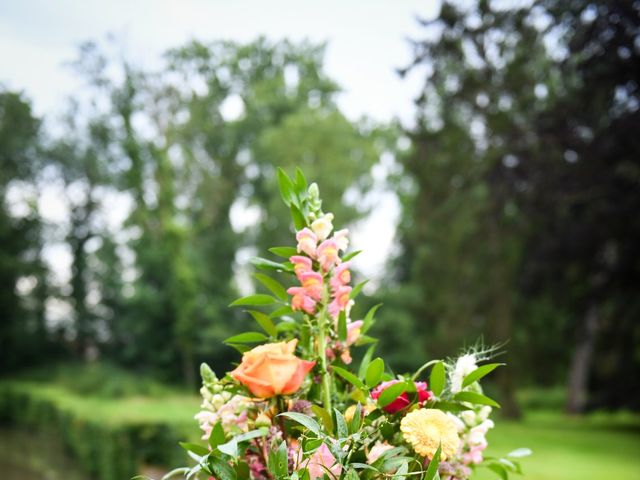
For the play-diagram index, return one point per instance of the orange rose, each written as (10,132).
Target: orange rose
(272,369)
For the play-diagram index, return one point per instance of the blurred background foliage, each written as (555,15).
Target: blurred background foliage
(519,187)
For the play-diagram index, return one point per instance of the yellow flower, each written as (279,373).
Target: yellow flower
(426,429)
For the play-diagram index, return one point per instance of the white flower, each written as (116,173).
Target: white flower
(484,413)
(464,366)
(477,434)
(469,417)
(322,226)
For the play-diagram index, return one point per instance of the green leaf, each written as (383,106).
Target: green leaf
(390,393)
(509,465)
(325,416)
(365,340)
(519,453)
(476,398)
(301,182)
(500,470)
(351,475)
(357,289)
(264,321)
(240,347)
(243,472)
(356,421)
(341,425)
(351,255)
(281,312)
(437,378)
(217,435)
(256,299)
(432,469)
(286,326)
(401,473)
(176,471)
(450,407)
(221,469)
(286,187)
(364,466)
(374,372)
(298,218)
(265,264)
(350,377)
(284,252)
(366,359)
(342,326)
(280,461)
(247,337)
(368,318)
(231,447)
(273,285)
(304,420)
(479,372)
(195,448)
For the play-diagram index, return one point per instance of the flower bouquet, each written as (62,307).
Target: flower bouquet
(297,408)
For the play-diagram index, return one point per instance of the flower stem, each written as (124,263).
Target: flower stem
(322,353)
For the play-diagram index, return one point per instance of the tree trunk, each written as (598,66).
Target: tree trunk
(581,363)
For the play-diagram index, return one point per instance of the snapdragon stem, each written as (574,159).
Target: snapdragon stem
(322,353)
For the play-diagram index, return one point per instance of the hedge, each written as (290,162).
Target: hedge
(109,438)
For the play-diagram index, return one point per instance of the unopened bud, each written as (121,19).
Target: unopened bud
(314,191)
(208,375)
(263,420)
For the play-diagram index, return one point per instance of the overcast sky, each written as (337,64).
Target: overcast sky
(367,40)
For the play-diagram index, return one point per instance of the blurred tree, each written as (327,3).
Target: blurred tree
(23,287)
(487,74)
(188,145)
(79,159)
(585,195)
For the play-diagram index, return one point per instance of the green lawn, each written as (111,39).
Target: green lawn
(597,447)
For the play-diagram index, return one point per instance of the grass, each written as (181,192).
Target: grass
(169,408)
(598,446)
(108,394)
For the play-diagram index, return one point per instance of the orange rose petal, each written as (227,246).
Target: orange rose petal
(281,369)
(290,346)
(296,380)
(259,388)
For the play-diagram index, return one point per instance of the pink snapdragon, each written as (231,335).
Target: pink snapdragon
(342,239)
(301,264)
(341,276)
(312,284)
(307,242)
(340,301)
(353,331)
(322,226)
(328,254)
(301,301)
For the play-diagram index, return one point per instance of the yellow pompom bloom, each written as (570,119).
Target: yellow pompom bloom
(427,428)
